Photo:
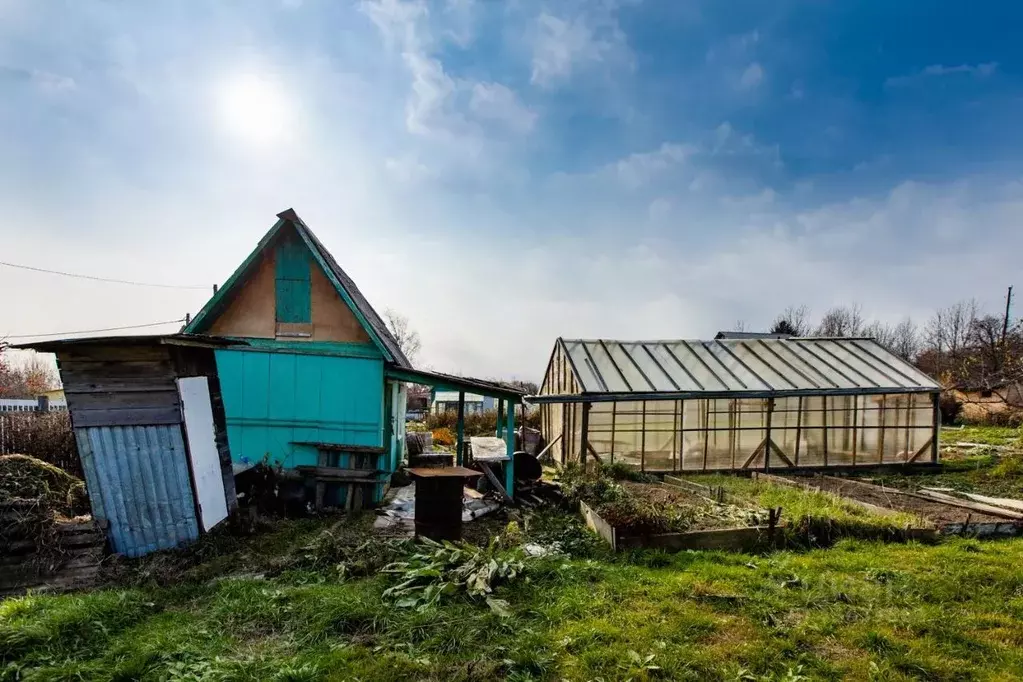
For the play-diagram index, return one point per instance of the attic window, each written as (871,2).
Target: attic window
(292,284)
(986,393)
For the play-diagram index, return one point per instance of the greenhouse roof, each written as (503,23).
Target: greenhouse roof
(737,367)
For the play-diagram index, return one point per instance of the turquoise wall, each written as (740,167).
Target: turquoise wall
(273,397)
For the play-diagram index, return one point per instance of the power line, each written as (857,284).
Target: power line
(94,331)
(105,279)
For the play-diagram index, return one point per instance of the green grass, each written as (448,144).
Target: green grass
(802,508)
(860,610)
(988,435)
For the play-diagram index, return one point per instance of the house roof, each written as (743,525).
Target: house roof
(345,286)
(733,368)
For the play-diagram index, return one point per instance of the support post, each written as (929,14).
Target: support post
(856,427)
(614,410)
(460,442)
(767,435)
(642,442)
(509,439)
(824,421)
(935,426)
(585,433)
(799,426)
(500,418)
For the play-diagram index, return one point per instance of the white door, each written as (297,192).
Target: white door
(202,449)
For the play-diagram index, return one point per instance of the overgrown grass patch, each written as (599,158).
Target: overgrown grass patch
(813,517)
(860,610)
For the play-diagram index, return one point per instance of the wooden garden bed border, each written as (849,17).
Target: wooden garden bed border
(730,539)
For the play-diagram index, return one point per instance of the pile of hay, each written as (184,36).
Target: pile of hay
(24,478)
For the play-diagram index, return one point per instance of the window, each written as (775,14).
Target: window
(293,289)
(986,393)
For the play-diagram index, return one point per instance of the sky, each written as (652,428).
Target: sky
(505,173)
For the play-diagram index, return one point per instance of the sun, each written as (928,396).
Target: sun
(255,109)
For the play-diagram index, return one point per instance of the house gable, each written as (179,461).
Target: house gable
(289,290)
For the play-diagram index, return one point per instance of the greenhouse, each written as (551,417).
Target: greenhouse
(737,403)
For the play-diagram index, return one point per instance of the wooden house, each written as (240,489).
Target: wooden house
(150,429)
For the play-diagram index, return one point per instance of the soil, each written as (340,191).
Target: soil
(940,514)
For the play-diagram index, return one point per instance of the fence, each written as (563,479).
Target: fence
(44,435)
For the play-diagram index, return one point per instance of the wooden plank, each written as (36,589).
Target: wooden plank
(598,525)
(127,417)
(971,505)
(951,501)
(1007,502)
(727,539)
(337,447)
(160,396)
(77,372)
(778,451)
(494,481)
(113,353)
(337,473)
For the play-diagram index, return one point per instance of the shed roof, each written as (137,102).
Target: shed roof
(199,340)
(493,389)
(738,367)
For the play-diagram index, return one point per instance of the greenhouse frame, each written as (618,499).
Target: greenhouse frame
(732,404)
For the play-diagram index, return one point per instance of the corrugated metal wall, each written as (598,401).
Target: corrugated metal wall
(138,481)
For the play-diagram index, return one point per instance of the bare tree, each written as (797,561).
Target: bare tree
(841,321)
(793,320)
(407,338)
(902,339)
(948,331)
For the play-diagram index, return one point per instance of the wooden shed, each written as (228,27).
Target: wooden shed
(149,424)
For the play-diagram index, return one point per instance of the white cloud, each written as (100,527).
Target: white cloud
(47,81)
(493,101)
(751,77)
(563,46)
(637,169)
(982,70)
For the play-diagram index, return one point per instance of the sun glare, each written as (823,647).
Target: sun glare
(255,109)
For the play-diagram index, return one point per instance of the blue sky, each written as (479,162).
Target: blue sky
(507,172)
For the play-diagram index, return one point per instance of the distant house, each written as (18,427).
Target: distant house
(447,401)
(995,401)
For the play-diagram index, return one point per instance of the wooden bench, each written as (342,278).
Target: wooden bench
(362,470)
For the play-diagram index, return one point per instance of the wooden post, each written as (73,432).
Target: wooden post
(460,443)
(880,435)
(614,409)
(585,435)
(909,414)
(799,426)
(509,439)
(935,426)
(856,426)
(705,405)
(500,418)
(824,422)
(767,435)
(642,441)
(674,436)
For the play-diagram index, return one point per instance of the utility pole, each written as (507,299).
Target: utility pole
(1005,322)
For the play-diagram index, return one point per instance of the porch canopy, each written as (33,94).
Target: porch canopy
(507,397)
(737,403)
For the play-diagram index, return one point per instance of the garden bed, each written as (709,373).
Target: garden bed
(811,516)
(645,513)
(949,517)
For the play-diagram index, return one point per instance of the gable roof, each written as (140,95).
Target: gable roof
(737,368)
(356,301)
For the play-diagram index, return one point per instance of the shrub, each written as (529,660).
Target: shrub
(444,436)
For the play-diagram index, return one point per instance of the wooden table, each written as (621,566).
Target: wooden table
(439,500)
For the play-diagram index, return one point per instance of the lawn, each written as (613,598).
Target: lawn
(293,604)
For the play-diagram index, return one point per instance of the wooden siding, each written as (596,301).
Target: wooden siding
(250,313)
(273,400)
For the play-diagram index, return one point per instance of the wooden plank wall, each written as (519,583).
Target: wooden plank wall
(119,385)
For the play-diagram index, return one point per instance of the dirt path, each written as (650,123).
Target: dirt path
(940,514)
